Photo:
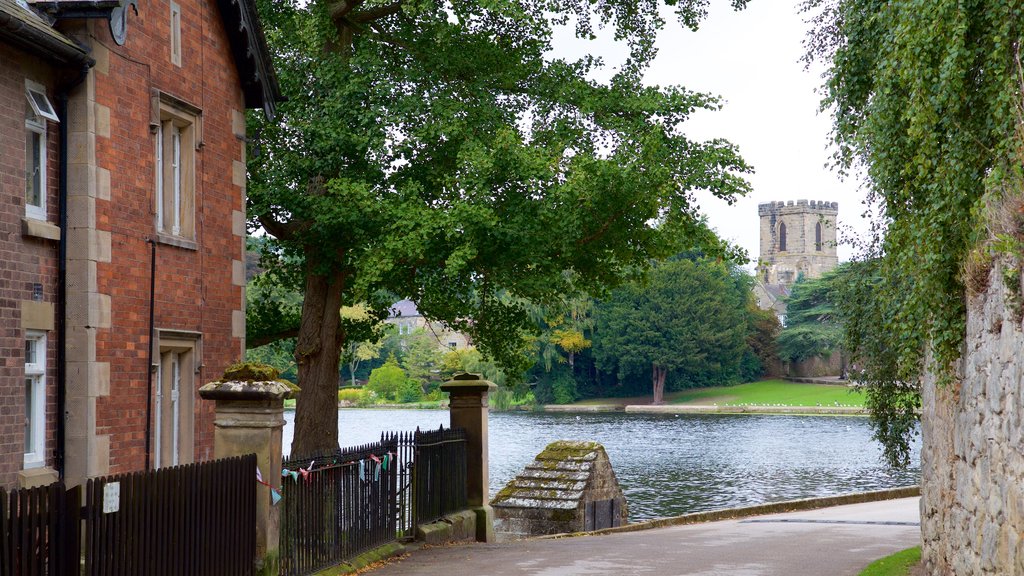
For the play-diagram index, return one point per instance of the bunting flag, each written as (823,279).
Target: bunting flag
(275,496)
(285,473)
(362,470)
(305,474)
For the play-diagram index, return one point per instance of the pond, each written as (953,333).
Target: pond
(670,465)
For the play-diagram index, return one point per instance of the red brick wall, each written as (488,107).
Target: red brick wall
(194,291)
(24,261)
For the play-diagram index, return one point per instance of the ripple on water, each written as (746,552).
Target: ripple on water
(669,465)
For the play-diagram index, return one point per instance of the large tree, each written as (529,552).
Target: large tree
(438,150)
(689,320)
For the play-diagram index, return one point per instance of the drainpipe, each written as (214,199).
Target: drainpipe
(149,367)
(62,264)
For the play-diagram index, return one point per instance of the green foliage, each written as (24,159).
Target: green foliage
(390,383)
(356,396)
(689,318)
(812,327)
(763,351)
(925,97)
(556,386)
(891,388)
(280,354)
(437,151)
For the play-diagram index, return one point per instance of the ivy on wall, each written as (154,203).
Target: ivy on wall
(924,96)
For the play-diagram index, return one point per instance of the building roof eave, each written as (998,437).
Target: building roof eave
(21,28)
(252,56)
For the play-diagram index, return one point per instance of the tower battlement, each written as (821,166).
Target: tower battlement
(798,238)
(797,206)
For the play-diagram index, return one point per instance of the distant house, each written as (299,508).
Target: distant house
(123,270)
(772,297)
(407,318)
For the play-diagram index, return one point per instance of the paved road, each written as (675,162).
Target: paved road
(831,541)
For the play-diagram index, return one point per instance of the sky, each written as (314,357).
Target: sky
(751,59)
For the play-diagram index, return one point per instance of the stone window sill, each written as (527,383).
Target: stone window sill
(39,229)
(176,241)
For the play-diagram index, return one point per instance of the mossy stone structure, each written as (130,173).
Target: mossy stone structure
(569,487)
(249,419)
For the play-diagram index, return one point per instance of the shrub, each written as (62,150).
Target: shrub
(388,381)
(410,391)
(351,396)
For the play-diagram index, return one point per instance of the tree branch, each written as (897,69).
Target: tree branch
(279,230)
(376,13)
(600,231)
(271,337)
(341,9)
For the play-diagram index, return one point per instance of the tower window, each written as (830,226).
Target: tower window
(817,236)
(782,237)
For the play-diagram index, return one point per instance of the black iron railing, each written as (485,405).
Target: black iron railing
(439,474)
(335,506)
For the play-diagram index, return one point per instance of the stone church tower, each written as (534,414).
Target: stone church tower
(797,238)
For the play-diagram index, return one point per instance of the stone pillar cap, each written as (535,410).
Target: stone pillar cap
(247,390)
(468,382)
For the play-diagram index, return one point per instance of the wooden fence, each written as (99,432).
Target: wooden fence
(35,536)
(191,520)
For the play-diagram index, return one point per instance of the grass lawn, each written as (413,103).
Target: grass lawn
(770,392)
(899,564)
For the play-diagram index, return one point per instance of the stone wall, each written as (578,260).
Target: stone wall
(972,462)
(818,366)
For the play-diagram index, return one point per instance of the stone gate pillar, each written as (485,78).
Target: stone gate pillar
(249,419)
(468,409)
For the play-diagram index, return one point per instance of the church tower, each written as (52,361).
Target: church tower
(797,239)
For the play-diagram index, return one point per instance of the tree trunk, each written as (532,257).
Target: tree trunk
(318,355)
(658,380)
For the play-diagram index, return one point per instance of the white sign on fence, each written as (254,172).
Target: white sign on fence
(111,497)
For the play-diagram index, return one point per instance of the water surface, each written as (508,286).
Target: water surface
(670,465)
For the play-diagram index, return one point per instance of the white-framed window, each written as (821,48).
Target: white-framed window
(35,399)
(38,111)
(174,400)
(175,34)
(175,146)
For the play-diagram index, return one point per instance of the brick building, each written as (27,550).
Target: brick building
(124,291)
